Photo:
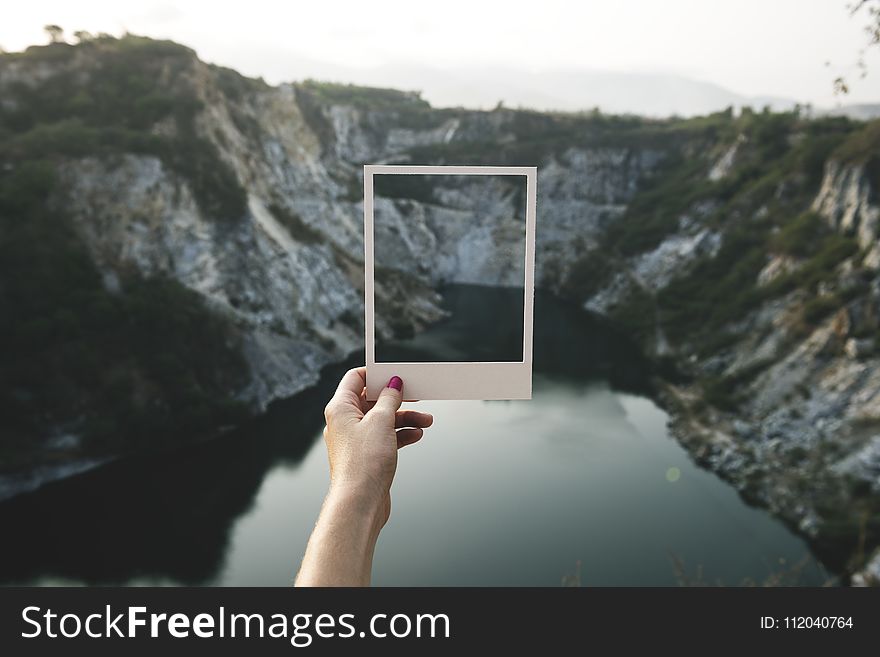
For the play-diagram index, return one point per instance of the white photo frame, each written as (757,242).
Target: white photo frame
(452,380)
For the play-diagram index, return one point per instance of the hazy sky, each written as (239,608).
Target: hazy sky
(752,47)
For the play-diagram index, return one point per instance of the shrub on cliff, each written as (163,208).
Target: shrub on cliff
(121,91)
(144,366)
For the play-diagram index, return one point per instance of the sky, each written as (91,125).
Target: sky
(751,47)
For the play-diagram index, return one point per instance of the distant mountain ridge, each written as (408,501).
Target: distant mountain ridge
(649,94)
(642,94)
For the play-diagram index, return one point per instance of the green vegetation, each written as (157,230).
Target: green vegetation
(141,369)
(368,98)
(638,314)
(532,138)
(237,89)
(234,85)
(721,289)
(654,213)
(313,111)
(861,145)
(112,107)
(717,290)
(145,367)
(759,207)
(829,253)
(800,237)
(383,108)
(726,392)
(587,274)
(151,362)
(765,161)
(818,308)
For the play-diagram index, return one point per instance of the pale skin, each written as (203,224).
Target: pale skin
(362,442)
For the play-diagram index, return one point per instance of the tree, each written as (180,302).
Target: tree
(56,34)
(82,36)
(872,9)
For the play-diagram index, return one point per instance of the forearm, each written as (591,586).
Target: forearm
(340,550)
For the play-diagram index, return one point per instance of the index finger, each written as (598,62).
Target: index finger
(351,385)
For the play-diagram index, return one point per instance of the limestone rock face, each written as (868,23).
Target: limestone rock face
(845,201)
(289,271)
(725,163)
(281,293)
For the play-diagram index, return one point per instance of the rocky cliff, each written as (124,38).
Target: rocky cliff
(741,250)
(768,302)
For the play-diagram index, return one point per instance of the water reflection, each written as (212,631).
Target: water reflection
(499,492)
(165,516)
(492,332)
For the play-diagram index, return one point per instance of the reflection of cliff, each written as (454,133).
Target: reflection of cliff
(486,322)
(157,516)
(578,345)
(169,516)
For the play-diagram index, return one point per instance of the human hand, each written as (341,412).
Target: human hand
(362,441)
(363,438)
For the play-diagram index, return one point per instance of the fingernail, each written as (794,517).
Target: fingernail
(396,382)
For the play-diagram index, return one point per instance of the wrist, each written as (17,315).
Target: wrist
(362,506)
(340,550)
(359,489)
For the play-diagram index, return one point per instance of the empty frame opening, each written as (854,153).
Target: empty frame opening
(449,254)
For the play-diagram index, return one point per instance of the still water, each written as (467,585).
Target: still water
(497,493)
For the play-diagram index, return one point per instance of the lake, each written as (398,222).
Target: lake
(497,493)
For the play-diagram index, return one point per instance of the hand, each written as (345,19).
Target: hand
(362,441)
(363,438)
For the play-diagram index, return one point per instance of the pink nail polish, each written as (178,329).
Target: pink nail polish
(396,382)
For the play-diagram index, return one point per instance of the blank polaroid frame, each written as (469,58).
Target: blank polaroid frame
(450,380)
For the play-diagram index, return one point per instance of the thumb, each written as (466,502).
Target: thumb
(390,398)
